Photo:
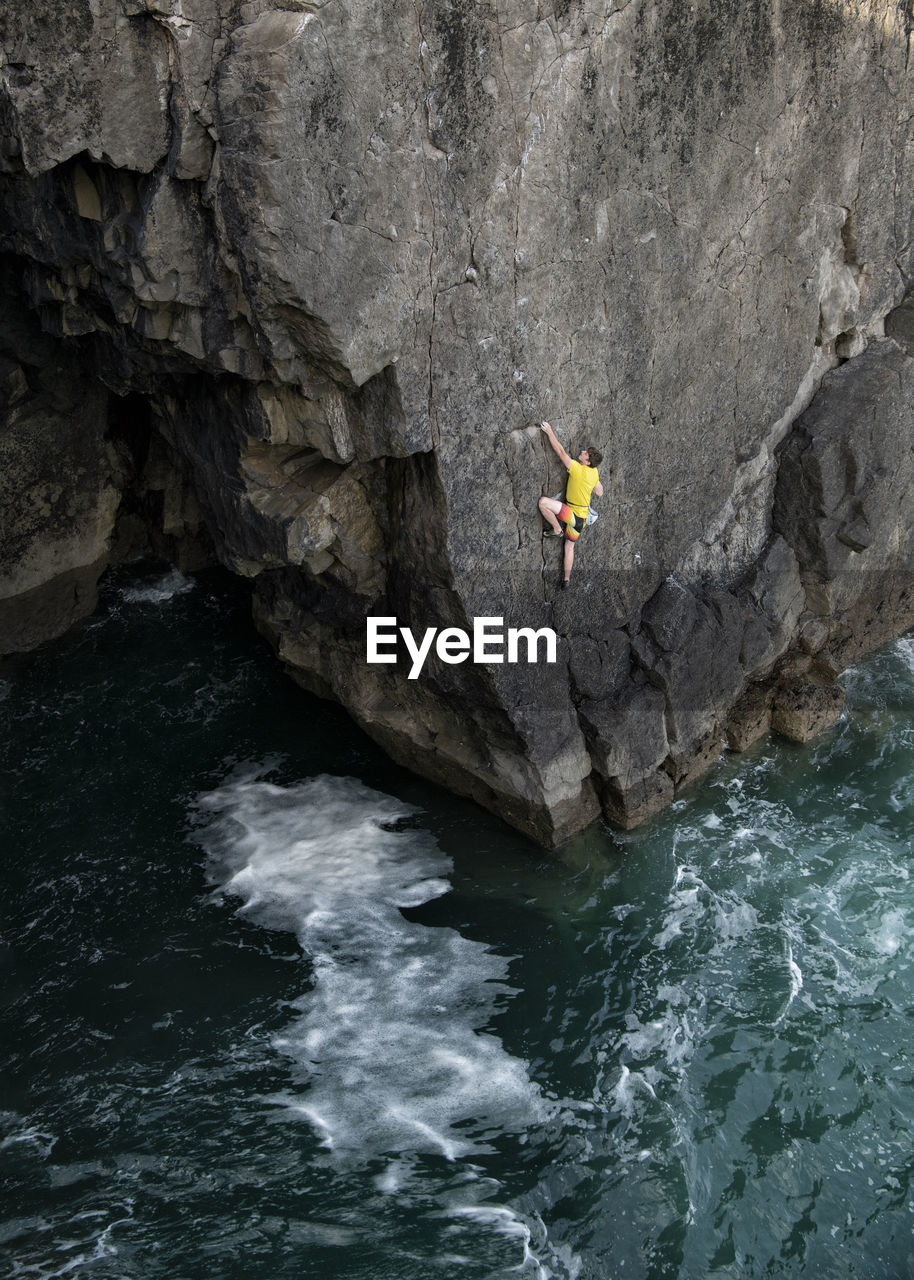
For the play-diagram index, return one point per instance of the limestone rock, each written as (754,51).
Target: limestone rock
(802,708)
(629,806)
(772,601)
(749,718)
(690,650)
(843,498)
(82,78)
(627,734)
(60,487)
(348,256)
(899,324)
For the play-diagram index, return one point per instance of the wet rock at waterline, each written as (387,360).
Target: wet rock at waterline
(307,278)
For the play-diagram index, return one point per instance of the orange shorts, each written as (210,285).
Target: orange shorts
(574,525)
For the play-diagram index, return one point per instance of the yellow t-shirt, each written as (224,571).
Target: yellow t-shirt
(581,482)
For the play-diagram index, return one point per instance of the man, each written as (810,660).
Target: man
(583,480)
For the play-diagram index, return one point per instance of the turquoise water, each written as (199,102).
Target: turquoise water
(272,1007)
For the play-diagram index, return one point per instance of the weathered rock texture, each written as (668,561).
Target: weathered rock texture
(334,261)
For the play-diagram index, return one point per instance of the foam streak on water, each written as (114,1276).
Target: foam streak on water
(162,589)
(386,1046)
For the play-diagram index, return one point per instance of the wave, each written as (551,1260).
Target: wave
(163,589)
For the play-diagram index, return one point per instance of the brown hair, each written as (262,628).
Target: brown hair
(595,456)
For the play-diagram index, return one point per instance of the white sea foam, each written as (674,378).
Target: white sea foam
(905,650)
(670,1022)
(796,984)
(88,1242)
(165,588)
(796,976)
(387,1042)
(626,1090)
(891,932)
(542,1259)
(692,903)
(25,1134)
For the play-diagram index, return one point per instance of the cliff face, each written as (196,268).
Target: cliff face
(316,270)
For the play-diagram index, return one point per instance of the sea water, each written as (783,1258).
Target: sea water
(272,1007)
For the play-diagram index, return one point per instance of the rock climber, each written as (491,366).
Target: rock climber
(583,480)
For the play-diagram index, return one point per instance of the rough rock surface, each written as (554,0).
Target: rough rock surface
(308,274)
(57,491)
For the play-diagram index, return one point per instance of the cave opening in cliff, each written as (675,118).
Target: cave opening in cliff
(130,422)
(158,515)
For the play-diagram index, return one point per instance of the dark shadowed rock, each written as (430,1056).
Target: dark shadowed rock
(843,501)
(749,718)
